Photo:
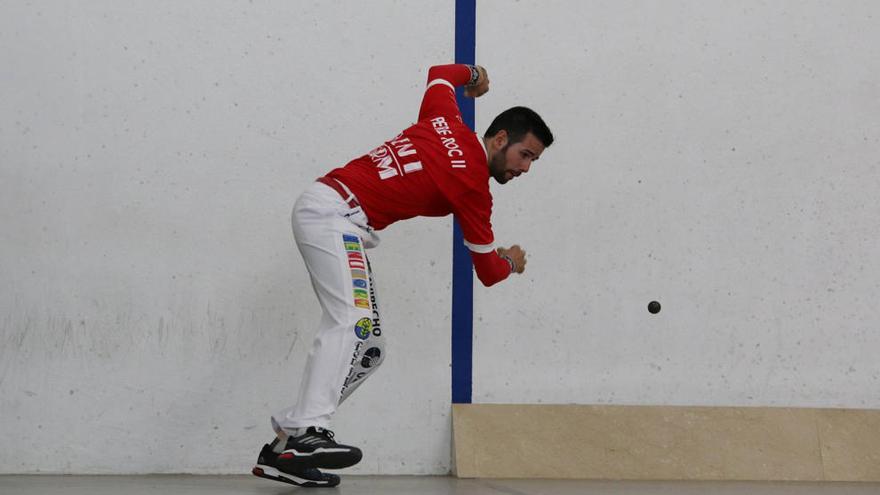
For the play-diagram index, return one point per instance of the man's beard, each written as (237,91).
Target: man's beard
(497,166)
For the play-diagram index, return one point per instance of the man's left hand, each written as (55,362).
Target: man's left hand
(481,87)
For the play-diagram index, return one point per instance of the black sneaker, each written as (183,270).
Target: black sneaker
(316,448)
(267,467)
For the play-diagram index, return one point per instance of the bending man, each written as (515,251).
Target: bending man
(435,167)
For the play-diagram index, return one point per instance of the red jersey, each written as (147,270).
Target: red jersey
(435,167)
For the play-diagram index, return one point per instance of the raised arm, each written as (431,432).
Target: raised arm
(439,96)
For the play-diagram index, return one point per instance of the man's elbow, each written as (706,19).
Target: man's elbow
(432,72)
(488,280)
(436,70)
(446,72)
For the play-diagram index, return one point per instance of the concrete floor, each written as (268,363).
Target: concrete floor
(403,485)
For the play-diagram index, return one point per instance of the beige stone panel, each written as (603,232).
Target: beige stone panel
(636,442)
(850,440)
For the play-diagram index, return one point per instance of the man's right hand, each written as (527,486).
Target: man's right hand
(481,87)
(516,254)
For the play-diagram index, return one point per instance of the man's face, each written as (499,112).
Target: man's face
(512,159)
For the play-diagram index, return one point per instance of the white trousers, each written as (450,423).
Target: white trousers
(349,345)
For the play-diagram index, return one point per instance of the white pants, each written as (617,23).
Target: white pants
(349,345)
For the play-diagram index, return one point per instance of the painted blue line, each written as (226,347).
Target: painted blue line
(462,269)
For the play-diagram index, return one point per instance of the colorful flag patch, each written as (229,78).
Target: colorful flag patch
(357,263)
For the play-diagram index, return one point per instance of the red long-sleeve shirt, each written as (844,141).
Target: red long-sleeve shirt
(435,167)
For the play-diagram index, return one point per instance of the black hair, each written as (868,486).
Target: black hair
(519,121)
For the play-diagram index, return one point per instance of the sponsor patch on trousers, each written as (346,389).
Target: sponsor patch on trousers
(352,377)
(357,265)
(371,357)
(363,328)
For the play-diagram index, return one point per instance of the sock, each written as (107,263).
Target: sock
(277,445)
(295,432)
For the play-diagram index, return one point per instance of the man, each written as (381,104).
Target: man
(436,167)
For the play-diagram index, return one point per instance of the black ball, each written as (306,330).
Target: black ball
(654,307)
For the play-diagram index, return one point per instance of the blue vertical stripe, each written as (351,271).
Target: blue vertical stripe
(462,270)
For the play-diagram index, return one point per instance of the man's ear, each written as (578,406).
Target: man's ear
(500,139)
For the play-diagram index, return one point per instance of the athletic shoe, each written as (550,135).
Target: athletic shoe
(316,448)
(267,467)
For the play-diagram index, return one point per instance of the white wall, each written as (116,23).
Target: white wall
(719,157)
(154,311)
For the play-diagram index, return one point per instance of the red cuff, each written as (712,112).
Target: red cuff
(490,267)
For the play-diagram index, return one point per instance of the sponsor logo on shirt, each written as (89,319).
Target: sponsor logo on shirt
(396,157)
(358,266)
